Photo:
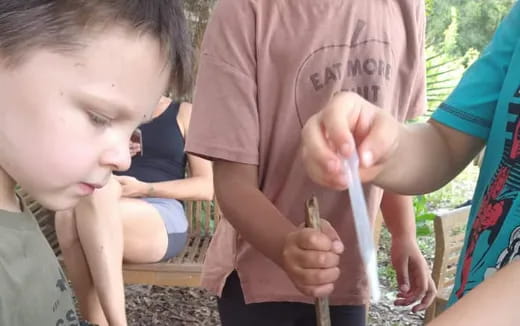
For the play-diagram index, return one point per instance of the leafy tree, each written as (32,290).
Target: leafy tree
(472,23)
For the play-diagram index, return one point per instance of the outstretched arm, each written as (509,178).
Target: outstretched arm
(494,302)
(392,155)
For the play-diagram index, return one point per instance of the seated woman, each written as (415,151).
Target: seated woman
(138,217)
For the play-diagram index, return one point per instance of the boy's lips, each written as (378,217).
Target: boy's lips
(88,188)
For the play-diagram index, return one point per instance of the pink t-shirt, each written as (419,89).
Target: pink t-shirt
(266,66)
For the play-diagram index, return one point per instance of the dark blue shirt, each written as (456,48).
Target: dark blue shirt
(163,156)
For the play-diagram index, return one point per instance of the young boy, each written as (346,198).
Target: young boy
(483,109)
(266,66)
(76,78)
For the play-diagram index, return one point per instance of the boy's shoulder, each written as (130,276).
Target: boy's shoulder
(32,283)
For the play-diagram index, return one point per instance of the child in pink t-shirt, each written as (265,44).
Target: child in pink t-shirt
(265,68)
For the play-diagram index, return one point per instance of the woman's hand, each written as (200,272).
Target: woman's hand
(134,148)
(133,188)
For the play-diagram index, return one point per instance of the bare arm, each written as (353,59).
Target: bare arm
(494,302)
(248,210)
(413,275)
(432,153)
(398,215)
(199,184)
(309,257)
(407,159)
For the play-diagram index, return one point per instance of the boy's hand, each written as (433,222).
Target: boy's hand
(311,259)
(413,275)
(347,121)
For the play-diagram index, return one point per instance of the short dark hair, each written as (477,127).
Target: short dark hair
(27,25)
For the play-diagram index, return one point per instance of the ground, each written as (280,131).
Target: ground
(176,306)
(152,305)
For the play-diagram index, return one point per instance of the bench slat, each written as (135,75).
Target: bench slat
(449,238)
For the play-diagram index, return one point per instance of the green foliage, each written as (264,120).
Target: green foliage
(458,191)
(445,63)
(452,32)
(474,22)
(423,216)
(442,75)
(387,271)
(429,7)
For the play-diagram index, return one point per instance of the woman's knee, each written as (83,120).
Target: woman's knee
(66,230)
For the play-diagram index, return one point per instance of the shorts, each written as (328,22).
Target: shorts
(174,218)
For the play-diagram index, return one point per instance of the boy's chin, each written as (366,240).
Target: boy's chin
(57,202)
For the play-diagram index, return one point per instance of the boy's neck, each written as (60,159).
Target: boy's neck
(8,200)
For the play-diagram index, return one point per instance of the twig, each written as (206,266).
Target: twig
(312,220)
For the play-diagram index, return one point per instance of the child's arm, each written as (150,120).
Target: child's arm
(392,155)
(494,302)
(413,275)
(306,255)
(396,156)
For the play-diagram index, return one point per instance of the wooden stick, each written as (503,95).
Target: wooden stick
(312,220)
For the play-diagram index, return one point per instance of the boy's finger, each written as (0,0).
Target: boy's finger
(380,140)
(311,239)
(403,279)
(316,146)
(308,259)
(336,119)
(318,276)
(321,161)
(428,298)
(327,229)
(419,278)
(420,285)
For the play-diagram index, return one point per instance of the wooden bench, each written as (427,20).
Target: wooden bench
(450,230)
(183,270)
(186,268)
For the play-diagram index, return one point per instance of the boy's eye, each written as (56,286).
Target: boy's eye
(98,120)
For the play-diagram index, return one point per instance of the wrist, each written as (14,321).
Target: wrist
(404,237)
(150,190)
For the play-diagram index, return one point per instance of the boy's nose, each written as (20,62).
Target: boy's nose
(117,158)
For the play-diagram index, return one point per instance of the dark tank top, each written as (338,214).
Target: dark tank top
(163,156)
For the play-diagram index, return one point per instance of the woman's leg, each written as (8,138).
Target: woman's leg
(154,229)
(145,235)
